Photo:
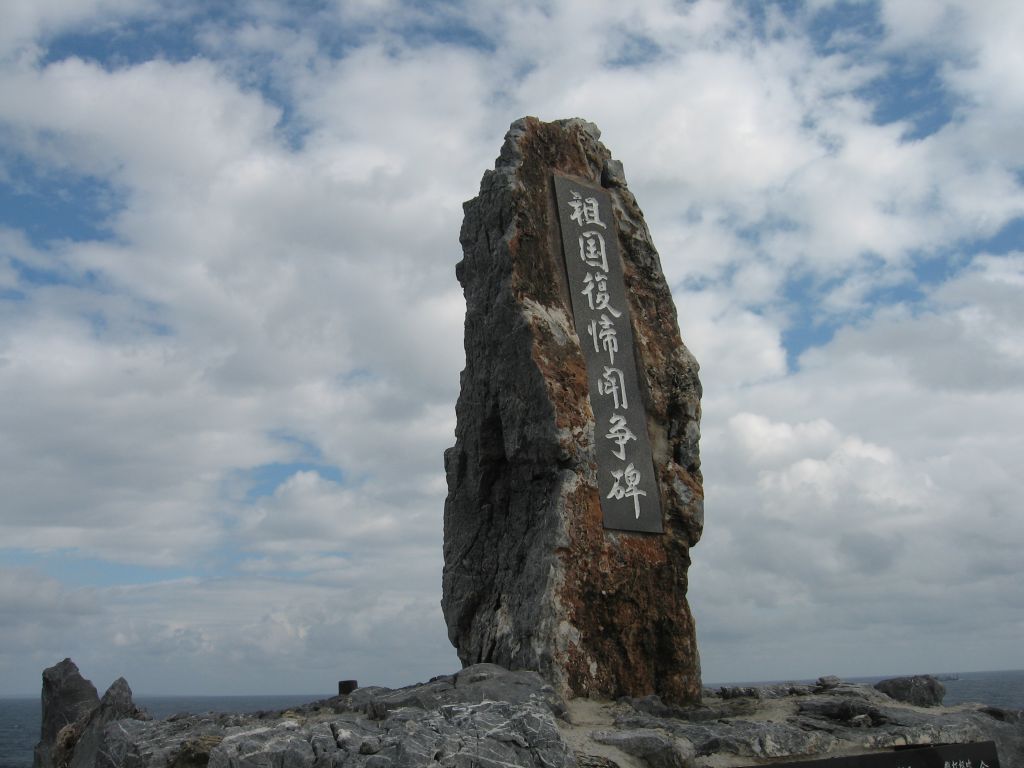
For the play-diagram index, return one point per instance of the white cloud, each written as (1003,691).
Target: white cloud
(278,289)
(243,636)
(156,126)
(762,440)
(872,491)
(736,346)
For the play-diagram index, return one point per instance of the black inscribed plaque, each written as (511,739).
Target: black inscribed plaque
(630,500)
(980,754)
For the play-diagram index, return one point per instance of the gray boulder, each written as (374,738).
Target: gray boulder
(919,690)
(654,746)
(66,697)
(82,742)
(472,685)
(739,739)
(827,682)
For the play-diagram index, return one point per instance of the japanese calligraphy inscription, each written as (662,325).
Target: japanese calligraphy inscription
(628,489)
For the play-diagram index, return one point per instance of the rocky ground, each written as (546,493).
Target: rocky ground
(487,716)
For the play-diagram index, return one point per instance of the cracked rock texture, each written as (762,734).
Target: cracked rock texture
(531,578)
(490,717)
(922,690)
(67,696)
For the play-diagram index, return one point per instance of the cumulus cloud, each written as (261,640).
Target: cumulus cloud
(887,517)
(238,382)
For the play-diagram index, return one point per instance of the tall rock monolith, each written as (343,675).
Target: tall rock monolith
(574,486)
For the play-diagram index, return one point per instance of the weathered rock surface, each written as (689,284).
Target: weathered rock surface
(654,746)
(807,723)
(80,744)
(532,580)
(74,719)
(66,697)
(490,717)
(922,690)
(484,715)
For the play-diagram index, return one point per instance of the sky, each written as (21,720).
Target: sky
(231,333)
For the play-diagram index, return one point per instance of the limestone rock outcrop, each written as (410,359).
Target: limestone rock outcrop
(66,697)
(79,745)
(532,579)
(488,716)
(74,721)
(483,715)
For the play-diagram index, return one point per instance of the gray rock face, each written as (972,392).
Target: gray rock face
(532,580)
(652,745)
(66,697)
(845,719)
(922,690)
(473,685)
(81,743)
(827,682)
(481,716)
(490,717)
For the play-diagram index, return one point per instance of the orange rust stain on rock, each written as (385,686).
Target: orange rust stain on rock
(614,584)
(536,267)
(546,142)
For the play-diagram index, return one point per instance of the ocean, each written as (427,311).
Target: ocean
(19,717)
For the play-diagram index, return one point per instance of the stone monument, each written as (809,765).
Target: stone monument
(574,486)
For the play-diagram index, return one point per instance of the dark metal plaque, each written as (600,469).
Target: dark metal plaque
(630,500)
(980,754)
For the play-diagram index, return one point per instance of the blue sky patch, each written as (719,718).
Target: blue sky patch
(634,51)
(912,90)
(303,449)
(806,326)
(49,206)
(844,27)
(124,45)
(453,32)
(932,269)
(265,479)
(1009,238)
(770,224)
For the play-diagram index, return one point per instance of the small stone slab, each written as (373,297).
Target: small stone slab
(977,755)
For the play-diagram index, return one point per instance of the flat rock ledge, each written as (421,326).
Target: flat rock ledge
(488,716)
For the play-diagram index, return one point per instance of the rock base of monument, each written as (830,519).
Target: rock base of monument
(488,716)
